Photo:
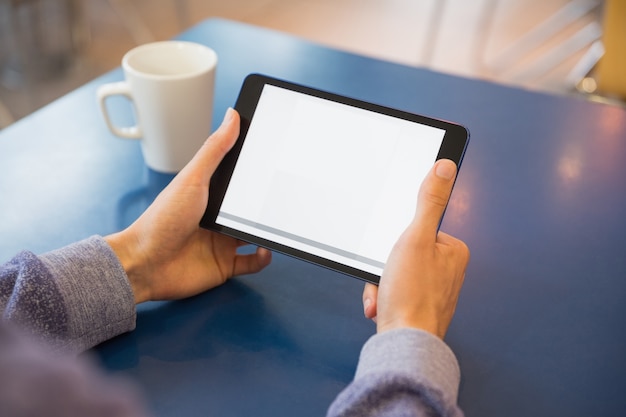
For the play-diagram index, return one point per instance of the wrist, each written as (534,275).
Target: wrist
(124,247)
(432,326)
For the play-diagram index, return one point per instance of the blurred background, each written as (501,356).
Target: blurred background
(50,47)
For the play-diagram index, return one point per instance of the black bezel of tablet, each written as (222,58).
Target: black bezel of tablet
(452,147)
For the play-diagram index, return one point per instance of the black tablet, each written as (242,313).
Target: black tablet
(325,178)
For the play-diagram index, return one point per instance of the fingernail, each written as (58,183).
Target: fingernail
(366,303)
(228,116)
(445,169)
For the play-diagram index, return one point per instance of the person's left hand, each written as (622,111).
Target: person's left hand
(165,253)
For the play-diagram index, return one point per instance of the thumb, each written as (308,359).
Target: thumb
(214,148)
(433,197)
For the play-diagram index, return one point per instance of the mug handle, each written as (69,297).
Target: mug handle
(119,88)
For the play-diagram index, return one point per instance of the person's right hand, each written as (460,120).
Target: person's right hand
(423,276)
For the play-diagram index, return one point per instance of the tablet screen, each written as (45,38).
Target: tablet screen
(327,179)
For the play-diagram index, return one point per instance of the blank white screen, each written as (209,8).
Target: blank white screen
(333,180)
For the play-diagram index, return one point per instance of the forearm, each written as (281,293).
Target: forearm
(72,298)
(402,372)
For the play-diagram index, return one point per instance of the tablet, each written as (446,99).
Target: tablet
(325,178)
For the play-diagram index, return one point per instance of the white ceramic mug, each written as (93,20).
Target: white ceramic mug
(171,85)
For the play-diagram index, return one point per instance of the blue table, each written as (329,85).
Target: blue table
(540,326)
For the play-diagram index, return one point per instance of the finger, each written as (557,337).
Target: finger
(433,197)
(370,297)
(457,246)
(215,147)
(251,263)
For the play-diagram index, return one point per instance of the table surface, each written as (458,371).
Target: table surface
(540,325)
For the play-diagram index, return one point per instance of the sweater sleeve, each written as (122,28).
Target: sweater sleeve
(402,372)
(72,298)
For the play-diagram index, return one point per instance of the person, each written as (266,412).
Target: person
(64,302)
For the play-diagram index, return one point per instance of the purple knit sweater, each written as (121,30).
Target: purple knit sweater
(72,299)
